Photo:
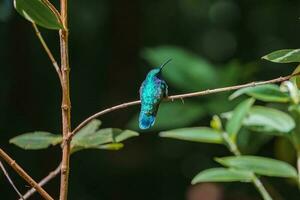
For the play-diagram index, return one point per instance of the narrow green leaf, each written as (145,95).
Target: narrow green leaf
(111,146)
(269,120)
(40,12)
(124,135)
(284,56)
(260,165)
(235,122)
(222,175)
(36,140)
(268,93)
(197,134)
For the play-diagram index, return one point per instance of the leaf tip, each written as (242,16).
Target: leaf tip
(265,57)
(163,134)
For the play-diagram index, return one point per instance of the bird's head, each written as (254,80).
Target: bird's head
(157,71)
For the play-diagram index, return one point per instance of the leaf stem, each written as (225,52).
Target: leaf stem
(260,187)
(24,175)
(231,145)
(46,48)
(256,182)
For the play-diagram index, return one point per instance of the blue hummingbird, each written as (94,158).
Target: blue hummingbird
(152,91)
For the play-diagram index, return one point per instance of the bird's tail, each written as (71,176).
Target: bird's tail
(146,120)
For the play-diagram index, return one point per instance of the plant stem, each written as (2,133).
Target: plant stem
(46,48)
(24,175)
(257,183)
(231,145)
(260,187)
(66,102)
(45,180)
(10,181)
(180,96)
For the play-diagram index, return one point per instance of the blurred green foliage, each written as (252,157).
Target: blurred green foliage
(259,119)
(109,43)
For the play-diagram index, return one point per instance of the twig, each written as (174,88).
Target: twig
(24,175)
(45,180)
(260,187)
(49,53)
(232,146)
(181,96)
(66,102)
(10,181)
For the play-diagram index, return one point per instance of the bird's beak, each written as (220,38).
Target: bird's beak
(164,64)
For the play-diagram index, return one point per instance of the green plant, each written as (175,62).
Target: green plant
(266,120)
(87,134)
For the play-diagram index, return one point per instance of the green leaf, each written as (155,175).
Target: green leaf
(296,79)
(295,134)
(292,89)
(185,66)
(197,134)
(104,136)
(107,138)
(260,165)
(173,115)
(40,12)
(36,140)
(269,120)
(86,131)
(268,93)
(235,122)
(124,135)
(284,56)
(223,175)
(111,146)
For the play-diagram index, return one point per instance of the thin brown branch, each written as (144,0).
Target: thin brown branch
(49,53)
(24,175)
(10,181)
(66,102)
(181,96)
(45,180)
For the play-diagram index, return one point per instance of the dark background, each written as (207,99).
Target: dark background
(106,40)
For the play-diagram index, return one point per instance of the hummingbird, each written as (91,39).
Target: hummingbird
(152,91)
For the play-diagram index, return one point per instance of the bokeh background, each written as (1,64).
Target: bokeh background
(112,43)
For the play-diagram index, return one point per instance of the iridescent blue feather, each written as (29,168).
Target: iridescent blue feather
(152,91)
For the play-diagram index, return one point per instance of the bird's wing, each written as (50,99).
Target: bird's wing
(142,88)
(165,89)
